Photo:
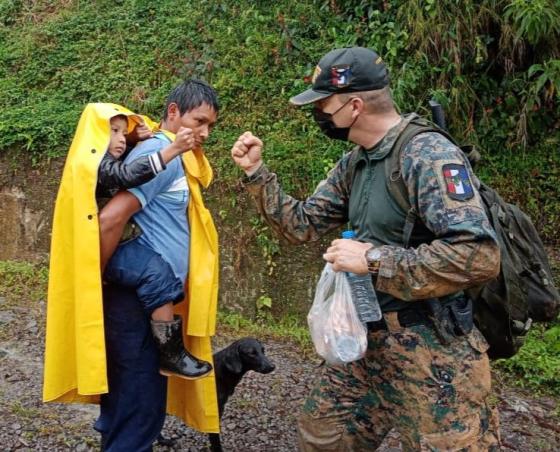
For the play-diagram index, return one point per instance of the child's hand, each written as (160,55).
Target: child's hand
(184,139)
(140,133)
(143,132)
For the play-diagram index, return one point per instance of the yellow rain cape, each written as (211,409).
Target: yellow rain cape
(75,361)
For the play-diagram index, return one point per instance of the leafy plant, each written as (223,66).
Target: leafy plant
(19,279)
(547,82)
(263,302)
(537,364)
(268,244)
(534,20)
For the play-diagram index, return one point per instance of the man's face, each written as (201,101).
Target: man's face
(334,107)
(117,141)
(200,119)
(335,117)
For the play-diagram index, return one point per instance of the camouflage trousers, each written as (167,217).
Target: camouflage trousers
(434,395)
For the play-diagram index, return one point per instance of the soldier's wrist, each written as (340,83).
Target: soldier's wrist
(249,172)
(254,176)
(373,259)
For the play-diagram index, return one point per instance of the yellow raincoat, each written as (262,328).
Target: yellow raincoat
(75,360)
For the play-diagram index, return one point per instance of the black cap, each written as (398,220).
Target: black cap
(345,70)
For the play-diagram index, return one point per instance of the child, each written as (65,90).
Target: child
(136,266)
(115,175)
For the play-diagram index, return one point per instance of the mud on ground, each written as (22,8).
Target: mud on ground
(259,416)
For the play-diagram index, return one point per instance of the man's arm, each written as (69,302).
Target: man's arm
(437,269)
(112,220)
(297,221)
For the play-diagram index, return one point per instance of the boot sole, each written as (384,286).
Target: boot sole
(168,373)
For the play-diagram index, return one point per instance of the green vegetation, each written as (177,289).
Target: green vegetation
(493,64)
(537,364)
(22,286)
(23,280)
(289,328)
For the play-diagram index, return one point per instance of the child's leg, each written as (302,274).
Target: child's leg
(138,267)
(123,268)
(157,287)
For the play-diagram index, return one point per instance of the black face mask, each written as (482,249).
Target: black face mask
(328,127)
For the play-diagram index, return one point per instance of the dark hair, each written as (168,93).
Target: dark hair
(192,94)
(121,116)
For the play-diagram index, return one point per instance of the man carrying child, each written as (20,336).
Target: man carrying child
(112,336)
(133,411)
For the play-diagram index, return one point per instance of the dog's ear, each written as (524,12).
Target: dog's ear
(232,361)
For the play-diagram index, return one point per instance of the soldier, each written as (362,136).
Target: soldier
(426,372)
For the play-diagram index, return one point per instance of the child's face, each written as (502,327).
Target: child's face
(119,131)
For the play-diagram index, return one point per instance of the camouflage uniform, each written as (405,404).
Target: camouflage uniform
(434,393)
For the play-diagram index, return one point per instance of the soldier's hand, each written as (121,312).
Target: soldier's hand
(348,255)
(247,153)
(184,139)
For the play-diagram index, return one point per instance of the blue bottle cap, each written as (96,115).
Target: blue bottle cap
(348,234)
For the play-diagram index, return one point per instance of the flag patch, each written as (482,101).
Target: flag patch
(340,76)
(457,181)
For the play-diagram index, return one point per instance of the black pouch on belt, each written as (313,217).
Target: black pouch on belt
(441,320)
(462,314)
(451,318)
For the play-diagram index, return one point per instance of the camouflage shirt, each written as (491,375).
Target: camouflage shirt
(463,251)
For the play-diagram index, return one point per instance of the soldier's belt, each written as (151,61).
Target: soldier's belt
(407,318)
(448,319)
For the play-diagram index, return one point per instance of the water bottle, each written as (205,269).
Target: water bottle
(363,293)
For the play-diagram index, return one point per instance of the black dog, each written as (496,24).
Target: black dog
(230,364)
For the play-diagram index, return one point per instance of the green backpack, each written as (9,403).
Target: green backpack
(523,292)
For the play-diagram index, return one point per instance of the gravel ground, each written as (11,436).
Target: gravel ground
(260,416)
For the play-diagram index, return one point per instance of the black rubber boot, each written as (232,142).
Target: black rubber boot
(174,359)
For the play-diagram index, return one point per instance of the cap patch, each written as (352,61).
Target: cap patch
(316,73)
(379,60)
(340,76)
(457,180)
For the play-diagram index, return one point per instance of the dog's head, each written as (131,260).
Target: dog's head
(247,354)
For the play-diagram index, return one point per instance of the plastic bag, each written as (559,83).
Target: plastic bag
(336,330)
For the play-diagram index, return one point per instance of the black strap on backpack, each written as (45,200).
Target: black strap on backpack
(523,292)
(393,165)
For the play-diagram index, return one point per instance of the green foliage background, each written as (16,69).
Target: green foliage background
(493,64)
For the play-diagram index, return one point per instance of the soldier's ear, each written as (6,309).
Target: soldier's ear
(358,106)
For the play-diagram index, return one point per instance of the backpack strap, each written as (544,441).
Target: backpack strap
(351,168)
(393,170)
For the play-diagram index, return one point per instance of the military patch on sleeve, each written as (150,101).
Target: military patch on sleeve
(457,180)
